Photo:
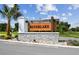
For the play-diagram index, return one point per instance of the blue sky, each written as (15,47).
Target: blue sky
(65,12)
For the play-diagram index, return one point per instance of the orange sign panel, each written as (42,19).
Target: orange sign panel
(40,27)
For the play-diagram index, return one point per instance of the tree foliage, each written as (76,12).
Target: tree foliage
(16,27)
(2,27)
(76,29)
(10,12)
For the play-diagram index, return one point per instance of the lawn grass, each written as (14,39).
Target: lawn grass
(64,34)
(4,33)
(70,34)
(15,33)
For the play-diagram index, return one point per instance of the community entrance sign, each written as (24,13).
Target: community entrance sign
(40,27)
(40,32)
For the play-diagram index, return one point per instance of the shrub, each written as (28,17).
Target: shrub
(8,37)
(73,42)
(16,36)
(2,36)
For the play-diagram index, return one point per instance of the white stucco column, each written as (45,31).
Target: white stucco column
(21,21)
(26,26)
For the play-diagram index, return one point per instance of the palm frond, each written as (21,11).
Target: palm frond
(18,14)
(15,8)
(6,9)
(2,13)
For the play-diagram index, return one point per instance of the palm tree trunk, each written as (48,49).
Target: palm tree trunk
(8,27)
(53,27)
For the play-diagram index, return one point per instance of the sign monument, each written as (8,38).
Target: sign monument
(39,32)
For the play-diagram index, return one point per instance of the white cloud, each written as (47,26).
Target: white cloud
(70,14)
(70,7)
(10,5)
(50,7)
(75,25)
(46,18)
(27,17)
(75,6)
(33,18)
(25,11)
(64,14)
(65,19)
(43,13)
(3,21)
(56,17)
(39,7)
(49,16)
(46,7)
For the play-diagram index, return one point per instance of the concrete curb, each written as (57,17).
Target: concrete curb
(41,44)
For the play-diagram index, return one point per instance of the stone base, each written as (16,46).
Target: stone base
(39,37)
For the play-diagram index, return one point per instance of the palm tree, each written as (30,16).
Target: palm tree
(10,13)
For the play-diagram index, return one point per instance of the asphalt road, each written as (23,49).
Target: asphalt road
(8,48)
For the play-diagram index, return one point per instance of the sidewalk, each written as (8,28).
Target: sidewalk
(41,44)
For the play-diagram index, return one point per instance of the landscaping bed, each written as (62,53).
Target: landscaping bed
(4,36)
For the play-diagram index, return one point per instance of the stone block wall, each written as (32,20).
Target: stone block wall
(39,37)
